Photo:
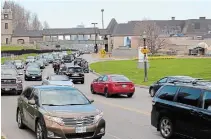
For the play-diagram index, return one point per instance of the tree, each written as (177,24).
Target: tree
(153,41)
(45,25)
(35,24)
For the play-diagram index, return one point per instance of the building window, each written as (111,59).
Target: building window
(7,40)
(6,25)
(197,25)
(6,16)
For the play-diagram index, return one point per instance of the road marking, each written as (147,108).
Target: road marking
(112,136)
(125,108)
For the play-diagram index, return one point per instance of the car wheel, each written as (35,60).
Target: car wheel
(130,95)
(166,127)
(19,92)
(107,95)
(152,92)
(98,138)
(82,82)
(40,132)
(92,90)
(26,79)
(19,120)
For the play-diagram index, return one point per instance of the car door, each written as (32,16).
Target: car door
(160,83)
(32,109)
(26,95)
(103,84)
(204,117)
(188,102)
(97,84)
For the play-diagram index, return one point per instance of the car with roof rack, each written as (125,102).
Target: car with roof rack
(169,79)
(59,112)
(183,109)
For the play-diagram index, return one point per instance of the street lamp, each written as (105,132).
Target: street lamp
(102,10)
(96,50)
(145,57)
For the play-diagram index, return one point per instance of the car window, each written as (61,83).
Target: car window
(100,79)
(59,78)
(119,78)
(168,92)
(189,96)
(163,80)
(207,100)
(105,78)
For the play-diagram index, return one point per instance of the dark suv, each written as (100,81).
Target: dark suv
(182,109)
(59,112)
(75,73)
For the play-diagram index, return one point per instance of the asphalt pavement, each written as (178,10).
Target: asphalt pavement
(126,118)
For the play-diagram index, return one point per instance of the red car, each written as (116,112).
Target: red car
(113,85)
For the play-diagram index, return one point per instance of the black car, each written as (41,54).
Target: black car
(33,73)
(75,73)
(166,80)
(68,59)
(182,109)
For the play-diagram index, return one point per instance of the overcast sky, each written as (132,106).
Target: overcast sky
(69,13)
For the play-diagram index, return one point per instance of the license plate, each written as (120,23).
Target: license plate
(124,86)
(33,77)
(75,74)
(80,129)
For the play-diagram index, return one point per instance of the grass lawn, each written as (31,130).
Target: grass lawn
(159,68)
(18,57)
(6,48)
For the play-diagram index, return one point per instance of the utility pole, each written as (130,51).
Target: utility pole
(102,10)
(96,49)
(145,58)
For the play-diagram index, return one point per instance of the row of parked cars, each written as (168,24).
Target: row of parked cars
(181,105)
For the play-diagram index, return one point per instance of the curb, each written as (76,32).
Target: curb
(136,85)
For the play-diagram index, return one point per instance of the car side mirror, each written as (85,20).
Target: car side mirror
(32,102)
(91,101)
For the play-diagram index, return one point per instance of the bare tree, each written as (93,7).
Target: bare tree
(153,40)
(45,25)
(35,24)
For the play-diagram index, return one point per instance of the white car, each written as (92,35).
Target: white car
(62,80)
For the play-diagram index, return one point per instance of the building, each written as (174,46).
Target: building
(116,35)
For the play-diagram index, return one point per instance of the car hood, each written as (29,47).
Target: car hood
(65,83)
(70,111)
(8,77)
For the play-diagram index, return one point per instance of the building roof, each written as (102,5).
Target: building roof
(27,33)
(70,31)
(6,5)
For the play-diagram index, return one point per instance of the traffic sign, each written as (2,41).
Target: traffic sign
(145,50)
(102,53)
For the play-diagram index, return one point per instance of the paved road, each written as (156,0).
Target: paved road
(127,118)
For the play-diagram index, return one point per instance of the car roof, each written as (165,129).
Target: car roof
(50,87)
(73,66)
(190,85)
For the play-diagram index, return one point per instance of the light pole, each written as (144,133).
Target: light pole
(102,10)
(96,50)
(145,57)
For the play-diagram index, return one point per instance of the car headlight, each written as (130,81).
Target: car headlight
(54,119)
(98,117)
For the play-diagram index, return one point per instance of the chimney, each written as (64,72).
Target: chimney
(202,18)
(172,18)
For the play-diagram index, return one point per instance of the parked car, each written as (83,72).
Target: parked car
(30,59)
(75,73)
(33,73)
(67,59)
(113,85)
(166,80)
(182,109)
(66,112)
(58,80)
(11,82)
(19,64)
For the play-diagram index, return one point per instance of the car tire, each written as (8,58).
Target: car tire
(40,130)
(92,90)
(19,120)
(19,92)
(82,82)
(130,95)
(98,138)
(107,95)
(166,127)
(152,92)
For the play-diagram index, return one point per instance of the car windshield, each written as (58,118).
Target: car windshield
(18,61)
(59,78)
(119,79)
(33,65)
(63,97)
(33,69)
(30,57)
(74,69)
(7,71)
